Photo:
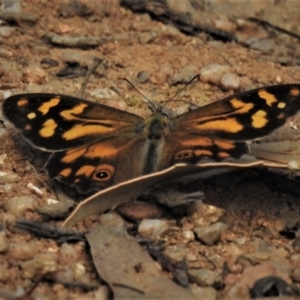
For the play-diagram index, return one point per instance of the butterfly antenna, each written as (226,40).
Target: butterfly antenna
(97,61)
(196,76)
(152,106)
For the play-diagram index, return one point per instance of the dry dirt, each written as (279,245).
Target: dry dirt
(131,44)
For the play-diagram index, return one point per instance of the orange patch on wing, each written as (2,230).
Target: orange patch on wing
(48,129)
(259,119)
(223,154)
(22,102)
(203,152)
(86,170)
(68,114)
(73,154)
(81,130)
(65,172)
(295,92)
(269,98)
(241,106)
(229,125)
(224,144)
(200,141)
(101,150)
(44,108)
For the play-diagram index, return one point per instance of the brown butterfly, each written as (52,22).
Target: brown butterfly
(94,146)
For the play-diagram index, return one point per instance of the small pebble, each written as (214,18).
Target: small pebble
(6,53)
(102,293)
(230,81)
(41,263)
(203,277)
(176,253)
(153,228)
(213,73)
(184,76)
(68,250)
(18,205)
(4,274)
(48,62)
(34,189)
(34,75)
(204,293)
(8,177)
(211,234)
(22,250)
(4,244)
(79,270)
(103,94)
(264,45)
(225,24)
(188,235)
(6,31)
(146,37)
(64,275)
(201,214)
(112,219)
(216,259)
(191,257)
(296,275)
(143,76)
(231,279)
(160,77)
(11,6)
(137,210)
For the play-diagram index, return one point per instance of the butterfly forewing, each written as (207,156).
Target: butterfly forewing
(246,116)
(58,122)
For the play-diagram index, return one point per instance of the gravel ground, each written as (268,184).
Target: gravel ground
(242,240)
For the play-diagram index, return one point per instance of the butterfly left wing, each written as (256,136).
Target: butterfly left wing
(89,142)
(53,122)
(219,130)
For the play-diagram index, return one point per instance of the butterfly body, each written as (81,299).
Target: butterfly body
(94,146)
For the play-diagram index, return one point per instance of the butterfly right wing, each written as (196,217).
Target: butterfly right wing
(221,129)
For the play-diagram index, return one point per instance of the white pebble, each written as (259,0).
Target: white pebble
(153,228)
(79,270)
(188,235)
(34,189)
(213,73)
(230,81)
(50,201)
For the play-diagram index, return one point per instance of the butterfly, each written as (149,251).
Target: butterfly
(94,146)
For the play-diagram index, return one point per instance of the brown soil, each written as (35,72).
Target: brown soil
(134,43)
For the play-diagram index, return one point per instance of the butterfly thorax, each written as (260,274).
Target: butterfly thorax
(155,126)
